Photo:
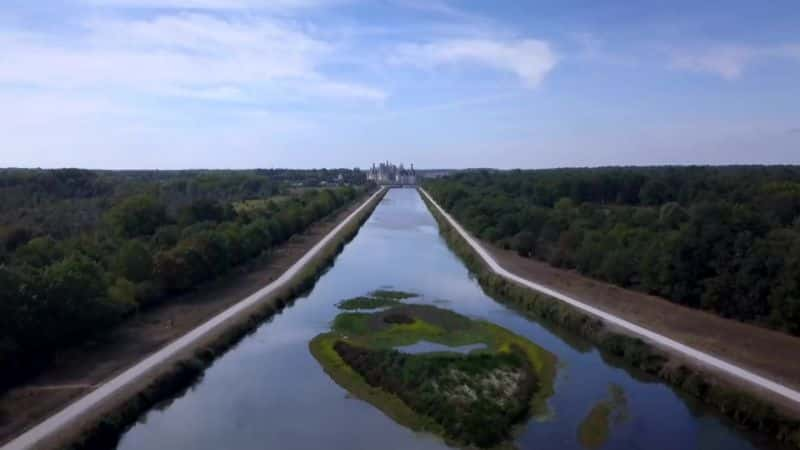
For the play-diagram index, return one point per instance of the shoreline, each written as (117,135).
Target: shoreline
(713,387)
(100,416)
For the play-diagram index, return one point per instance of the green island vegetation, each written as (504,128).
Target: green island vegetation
(377,299)
(595,429)
(80,250)
(724,239)
(742,407)
(367,303)
(391,294)
(471,399)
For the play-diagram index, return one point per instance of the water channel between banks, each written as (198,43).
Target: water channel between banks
(270,392)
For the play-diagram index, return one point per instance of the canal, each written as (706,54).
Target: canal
(268,392)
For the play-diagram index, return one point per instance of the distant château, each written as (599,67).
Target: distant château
(386,173)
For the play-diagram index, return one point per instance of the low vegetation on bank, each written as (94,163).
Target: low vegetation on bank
(723,239)
(743,408)
(80,250)
(471,399)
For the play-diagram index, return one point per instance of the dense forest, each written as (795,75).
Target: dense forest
(723,239)
(80,250)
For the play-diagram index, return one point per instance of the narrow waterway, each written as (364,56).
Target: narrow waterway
(268,392)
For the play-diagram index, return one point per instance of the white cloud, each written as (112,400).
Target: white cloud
(730,61)
(530,60)
(180,53)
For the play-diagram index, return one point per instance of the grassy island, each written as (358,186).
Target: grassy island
(471,399)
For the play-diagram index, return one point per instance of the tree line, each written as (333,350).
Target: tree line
(148,242)
(723,239)
(66,202)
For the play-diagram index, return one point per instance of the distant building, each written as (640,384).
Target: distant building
(387,173)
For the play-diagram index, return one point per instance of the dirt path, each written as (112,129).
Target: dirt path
(78,370)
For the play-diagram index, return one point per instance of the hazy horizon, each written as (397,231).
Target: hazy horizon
(215,84)
(366,167)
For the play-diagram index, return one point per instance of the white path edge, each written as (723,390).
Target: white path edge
(651,336)
(64,418)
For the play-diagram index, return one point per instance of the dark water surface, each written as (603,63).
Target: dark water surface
(268,392)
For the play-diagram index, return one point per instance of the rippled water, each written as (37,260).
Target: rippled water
(268,392)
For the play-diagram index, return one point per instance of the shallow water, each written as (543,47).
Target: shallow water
(431,347)
(269,392)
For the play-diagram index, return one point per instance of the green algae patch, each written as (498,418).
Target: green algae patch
(595,429)
(388,294)
(366,303)
(472,399)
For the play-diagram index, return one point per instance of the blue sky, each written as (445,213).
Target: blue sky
(341,83)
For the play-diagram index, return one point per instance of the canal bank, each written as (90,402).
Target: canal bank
(96,420)
(269,391)
(746,398)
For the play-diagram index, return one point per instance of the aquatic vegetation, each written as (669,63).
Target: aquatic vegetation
(392,295)
(595,429)
(366,303)
(473,398)
(380,298)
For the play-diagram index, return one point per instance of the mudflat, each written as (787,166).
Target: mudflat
(79,370)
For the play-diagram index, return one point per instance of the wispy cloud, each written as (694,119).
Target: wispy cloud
(731,61)
(200,55)
(529,59)
(440,7)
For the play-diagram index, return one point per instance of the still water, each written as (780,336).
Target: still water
(268,392)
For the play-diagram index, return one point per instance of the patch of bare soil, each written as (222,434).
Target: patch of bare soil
(79,370)
(769,353)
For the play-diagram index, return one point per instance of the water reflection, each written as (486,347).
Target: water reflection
(269,392)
